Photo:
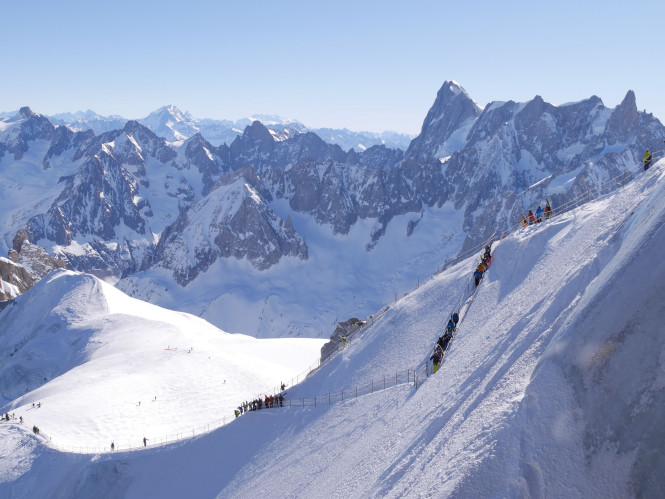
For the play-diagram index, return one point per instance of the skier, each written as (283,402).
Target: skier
(112,446)
(436,357)
(539,215)
(524,222)
(647,159)
(548,210)
(145,442)
(531,218)
(343,341)
(451,325)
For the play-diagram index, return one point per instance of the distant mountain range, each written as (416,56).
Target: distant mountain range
(174,125)
(282,233)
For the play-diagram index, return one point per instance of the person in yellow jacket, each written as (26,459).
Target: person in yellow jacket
(524,222)
(647,159)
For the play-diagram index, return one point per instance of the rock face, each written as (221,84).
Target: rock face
(27,264)
(234,221)
(453,113)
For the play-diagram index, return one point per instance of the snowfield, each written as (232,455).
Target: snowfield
(552,387)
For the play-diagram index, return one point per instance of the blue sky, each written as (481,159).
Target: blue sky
(362,65)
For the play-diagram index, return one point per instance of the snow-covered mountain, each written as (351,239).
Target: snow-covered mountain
(552,386)
(174,125)
(117,353)
(82,121)
(130,204)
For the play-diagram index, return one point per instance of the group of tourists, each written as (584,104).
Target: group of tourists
(267,402)
(536,218)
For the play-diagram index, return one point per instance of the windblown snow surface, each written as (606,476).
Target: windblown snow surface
(554,385)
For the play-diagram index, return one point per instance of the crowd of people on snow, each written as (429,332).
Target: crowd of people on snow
(267,402)
(443,342)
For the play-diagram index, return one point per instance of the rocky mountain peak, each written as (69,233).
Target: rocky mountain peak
(26,112)
(624,120)
(452,111)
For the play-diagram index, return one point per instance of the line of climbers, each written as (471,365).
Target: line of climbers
(485,262)
(443,342)
(531,219)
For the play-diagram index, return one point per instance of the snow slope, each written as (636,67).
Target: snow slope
(553,387)
(106,367)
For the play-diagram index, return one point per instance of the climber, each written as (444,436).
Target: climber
(647,159)
(539,215)
(445,340)
(451,325)
(436,357)
(455,318)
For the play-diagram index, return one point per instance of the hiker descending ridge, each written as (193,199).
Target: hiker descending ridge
(647,159)
(437,356)
(487,257)
(445,340)
(451,325)
(548,210)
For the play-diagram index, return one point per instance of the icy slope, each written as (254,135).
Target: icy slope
(553,387)
(106,367)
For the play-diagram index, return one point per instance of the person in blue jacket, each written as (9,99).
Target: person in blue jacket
(539,215)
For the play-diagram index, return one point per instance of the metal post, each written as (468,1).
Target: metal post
(356,392)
